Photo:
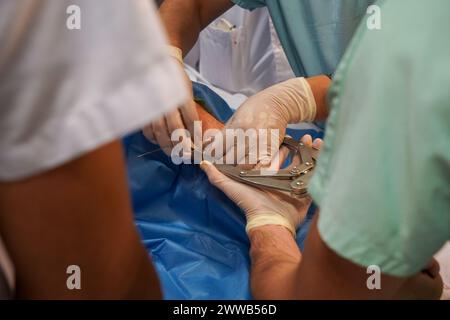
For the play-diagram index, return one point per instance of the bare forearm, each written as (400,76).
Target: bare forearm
(275,261)
(320,86)
(84,208)
(182,21)
(185,19)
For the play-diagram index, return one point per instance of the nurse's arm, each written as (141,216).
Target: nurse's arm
(280,271)
(185,19)
(78,214)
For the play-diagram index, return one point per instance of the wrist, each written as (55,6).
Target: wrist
(275,258)
(270,219)
(175,53)
(298,100)
(319,86)
(273,229)
(273,242)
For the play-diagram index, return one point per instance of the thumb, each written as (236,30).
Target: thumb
(216,177)
(234,190)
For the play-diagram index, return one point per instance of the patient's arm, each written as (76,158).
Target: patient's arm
(320,86)
(208,120)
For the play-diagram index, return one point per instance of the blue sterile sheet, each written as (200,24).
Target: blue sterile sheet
(194,233)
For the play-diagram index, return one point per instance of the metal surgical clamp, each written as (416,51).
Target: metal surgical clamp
(293,181)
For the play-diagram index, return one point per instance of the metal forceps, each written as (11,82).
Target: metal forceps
(293,181)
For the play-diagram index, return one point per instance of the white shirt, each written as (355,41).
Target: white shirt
(240,52)
(66,92)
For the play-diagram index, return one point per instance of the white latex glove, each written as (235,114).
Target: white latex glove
(288,102)
(263,207)
(160,131)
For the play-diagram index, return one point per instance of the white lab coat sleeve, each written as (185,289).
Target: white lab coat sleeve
(65,92)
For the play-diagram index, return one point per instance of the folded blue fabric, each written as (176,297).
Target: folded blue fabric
(194,233)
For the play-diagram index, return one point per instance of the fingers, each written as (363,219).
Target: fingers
(270,149)
(248,161)
(189,116)
(236,191)
(174,122)
(157,133)
(317,144)
(432,269)
(148,133)
(279,158)
(307,140)
(162,135)
(216,178)
(186,115)
(188,110)
(423,286)
(160,131)
(274,163)
(266,161)
(220,147)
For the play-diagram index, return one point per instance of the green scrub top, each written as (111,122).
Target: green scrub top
(383,177)
(314,33)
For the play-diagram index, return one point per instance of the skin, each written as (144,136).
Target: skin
(208,121)
(79,213)
(185,19)
(280,271)
(46,228)
(319,87)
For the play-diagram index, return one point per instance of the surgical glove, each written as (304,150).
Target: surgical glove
(160,131)
(263,207)
(288,102)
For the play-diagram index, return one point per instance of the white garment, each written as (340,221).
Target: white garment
(66,92)
(240,52)
(234,100)
(238,55)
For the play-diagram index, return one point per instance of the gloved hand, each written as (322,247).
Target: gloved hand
(263,207)
(288,102)
(160,131)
